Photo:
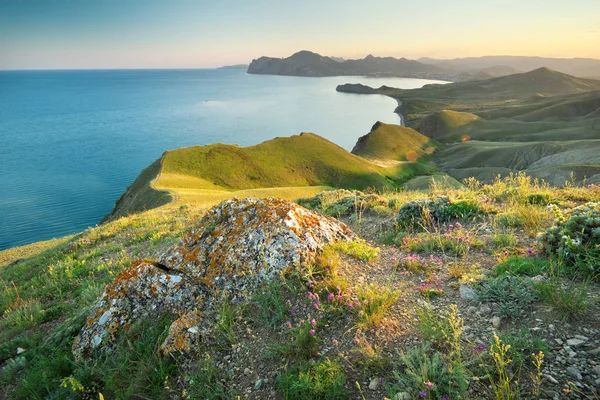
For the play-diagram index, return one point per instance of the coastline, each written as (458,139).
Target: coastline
(398,110)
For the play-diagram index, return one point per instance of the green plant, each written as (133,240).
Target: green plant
(271,304)
(420,212)
(424,373)
(322,381)
(512,294)
(570,299)
(225,327)
(432,327)
(576,240)
(375,301)
(503,382)
(206,381)
(516,265)
(522,344)
(357,249)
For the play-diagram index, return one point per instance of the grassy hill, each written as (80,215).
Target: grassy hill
(286,166)
(393,142)
(537,121)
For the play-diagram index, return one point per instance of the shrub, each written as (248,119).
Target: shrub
(576,240)
(512,294)
(207,381)
(324,380)
(423,212)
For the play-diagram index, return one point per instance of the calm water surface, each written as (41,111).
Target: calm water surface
(72,141)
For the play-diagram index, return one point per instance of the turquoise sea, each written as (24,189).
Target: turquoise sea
(72,141)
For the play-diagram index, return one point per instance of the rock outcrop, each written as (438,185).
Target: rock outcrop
(237,246)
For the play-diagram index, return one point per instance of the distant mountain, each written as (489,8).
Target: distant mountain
(235,66)
(586,67)
(306,63)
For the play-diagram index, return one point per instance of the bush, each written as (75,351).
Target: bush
(571,300)
(435,210)
(324,380)
(539,199)
(576,240)
(375,301)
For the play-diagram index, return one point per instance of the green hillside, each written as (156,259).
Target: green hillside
(289,167)
(392,142)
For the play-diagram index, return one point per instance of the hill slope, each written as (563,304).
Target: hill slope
(392,142)
(276,167)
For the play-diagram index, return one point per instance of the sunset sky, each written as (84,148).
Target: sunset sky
(56,34)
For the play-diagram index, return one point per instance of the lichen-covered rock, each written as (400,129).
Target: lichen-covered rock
(184,334)
(235,247)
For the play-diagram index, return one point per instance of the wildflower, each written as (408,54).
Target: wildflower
(428,385)
(292,311)
(335,342)
(529,251)
(340,297)
(339,290)
(356,340)
(312,332)
(316,304)
(381,380)
(423,394)
(505,253)
(446,397)
(288,324)
(330,297)
(313,323)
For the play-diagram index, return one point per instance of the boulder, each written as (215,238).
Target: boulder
(237,246)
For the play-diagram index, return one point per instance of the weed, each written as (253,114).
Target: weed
(570,299)
(206,381)
(425,374)
(375,301)
(271,304)
(357,249)
(226,330)
(522,344)
(512,294)
(322,381)
(432,327)
(515,265)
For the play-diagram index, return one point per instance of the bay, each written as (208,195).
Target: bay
(72,141)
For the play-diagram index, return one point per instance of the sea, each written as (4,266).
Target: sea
(72,141)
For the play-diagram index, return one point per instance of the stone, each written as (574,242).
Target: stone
(183,334)
(581,337)
(258,384)
(237,246)
(595,351)
(559,341)
(247,371)
(596,369)
(574,371)
(575,342)
(374,384)
(496,321)
(485,309)
(20,350)
(467,292)
(550,378)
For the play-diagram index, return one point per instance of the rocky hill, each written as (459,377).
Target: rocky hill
(306,63)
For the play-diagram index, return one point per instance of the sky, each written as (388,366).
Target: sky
(77,34)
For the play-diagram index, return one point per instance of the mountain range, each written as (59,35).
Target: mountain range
(306,63)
